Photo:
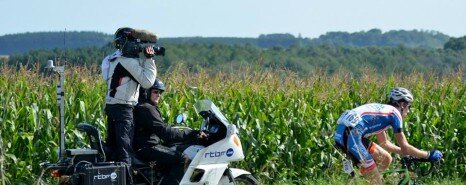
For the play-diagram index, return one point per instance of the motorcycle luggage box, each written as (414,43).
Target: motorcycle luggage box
(78,155)
(104,174)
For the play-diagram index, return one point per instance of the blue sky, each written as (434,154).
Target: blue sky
(233,18)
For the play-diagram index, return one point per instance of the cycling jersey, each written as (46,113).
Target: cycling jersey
(373,118)
(362,122)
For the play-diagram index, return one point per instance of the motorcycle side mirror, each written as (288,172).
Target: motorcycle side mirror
(181,118)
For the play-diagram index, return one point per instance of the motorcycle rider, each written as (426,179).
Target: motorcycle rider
(150,130)
(354,126)
(124,74)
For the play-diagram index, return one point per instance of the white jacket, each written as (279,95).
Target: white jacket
(125,75)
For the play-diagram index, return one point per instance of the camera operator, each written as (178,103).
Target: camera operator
(126,73)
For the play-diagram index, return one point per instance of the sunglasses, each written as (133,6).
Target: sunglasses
(157,92)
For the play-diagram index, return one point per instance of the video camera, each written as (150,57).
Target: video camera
(133,48)
(133,41)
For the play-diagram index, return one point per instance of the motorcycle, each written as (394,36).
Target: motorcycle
(209,162)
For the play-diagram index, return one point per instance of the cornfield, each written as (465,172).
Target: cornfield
(286,121)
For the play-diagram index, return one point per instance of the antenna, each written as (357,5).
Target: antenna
(60,98)
(64,47)
(64,39)
(61,104)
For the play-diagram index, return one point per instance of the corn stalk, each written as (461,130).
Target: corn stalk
(286,121)
(2,176)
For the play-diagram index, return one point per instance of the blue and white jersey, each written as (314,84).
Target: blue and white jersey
(373,118)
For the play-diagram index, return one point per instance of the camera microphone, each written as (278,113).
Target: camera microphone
(144,35)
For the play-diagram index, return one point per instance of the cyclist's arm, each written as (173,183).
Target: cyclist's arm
(407,149)
(385,143)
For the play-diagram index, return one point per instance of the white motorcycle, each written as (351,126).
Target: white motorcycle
(210,165)
(209,162)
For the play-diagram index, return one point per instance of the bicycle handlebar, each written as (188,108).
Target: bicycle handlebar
(412,164)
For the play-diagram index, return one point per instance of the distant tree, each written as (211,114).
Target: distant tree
(271,40)
(456,44)
(375,37)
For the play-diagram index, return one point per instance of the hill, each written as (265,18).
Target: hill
(348,52)
(23,42)
(19,43)
(373,37)
(298,59)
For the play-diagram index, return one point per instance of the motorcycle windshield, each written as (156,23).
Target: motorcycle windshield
(207,105)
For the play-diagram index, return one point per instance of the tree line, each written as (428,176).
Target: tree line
(20,43)
(296,58)
(24,42)
(329,53)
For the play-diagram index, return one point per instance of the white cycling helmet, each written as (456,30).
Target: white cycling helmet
(400,93)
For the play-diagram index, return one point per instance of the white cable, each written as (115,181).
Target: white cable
(40,177)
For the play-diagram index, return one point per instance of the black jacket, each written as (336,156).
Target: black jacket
(150,128)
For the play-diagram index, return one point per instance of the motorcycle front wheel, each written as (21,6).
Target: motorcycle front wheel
(246,179)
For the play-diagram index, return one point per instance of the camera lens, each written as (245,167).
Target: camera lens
(159,51)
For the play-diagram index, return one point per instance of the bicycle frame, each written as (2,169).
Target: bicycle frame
(410,169)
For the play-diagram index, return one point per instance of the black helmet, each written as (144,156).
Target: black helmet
(158,85)
(144,94)
(121,36)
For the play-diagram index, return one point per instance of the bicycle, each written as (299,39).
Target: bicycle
(408,174)
(411,169)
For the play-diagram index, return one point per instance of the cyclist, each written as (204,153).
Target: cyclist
(356,125)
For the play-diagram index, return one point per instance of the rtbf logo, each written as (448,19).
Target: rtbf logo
(228,153)
(112,176)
